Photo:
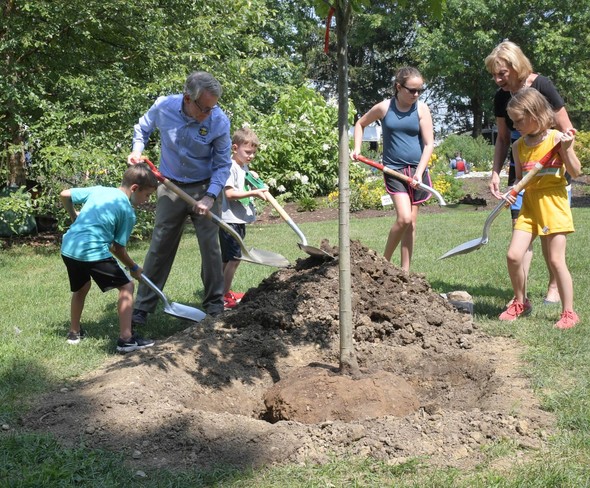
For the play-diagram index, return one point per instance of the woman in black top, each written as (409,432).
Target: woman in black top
(512,71)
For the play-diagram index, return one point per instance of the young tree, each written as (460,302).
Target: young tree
(343,11)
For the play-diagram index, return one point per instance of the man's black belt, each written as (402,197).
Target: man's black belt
(179,183)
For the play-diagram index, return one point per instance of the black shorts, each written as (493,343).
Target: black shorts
(417,195)
(230,249)
(106,273)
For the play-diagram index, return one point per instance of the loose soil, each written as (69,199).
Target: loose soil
(259,385)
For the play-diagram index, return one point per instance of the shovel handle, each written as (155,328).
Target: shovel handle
(516,189)
(258,183)
(175,189)
(400,176)
(191,201)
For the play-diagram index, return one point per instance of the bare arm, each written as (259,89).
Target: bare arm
(66,199)
(233,194)
(562,120)
(120,252)
(427,134)
(500,151)
(377,112)
(518,172)
(569,157)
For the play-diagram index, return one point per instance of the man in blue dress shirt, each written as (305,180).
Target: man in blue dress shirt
(195,155)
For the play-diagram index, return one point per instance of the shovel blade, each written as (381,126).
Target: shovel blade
(465,248)
(184,312)
(268,258)
(314,251)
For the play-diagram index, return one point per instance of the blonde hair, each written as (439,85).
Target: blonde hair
(245,135)
(528,102)
(510,54)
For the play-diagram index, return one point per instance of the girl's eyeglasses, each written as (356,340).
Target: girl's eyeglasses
(414,91)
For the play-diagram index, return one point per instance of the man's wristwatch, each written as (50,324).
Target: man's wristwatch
(211,195)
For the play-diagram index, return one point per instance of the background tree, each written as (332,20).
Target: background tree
(453,49)
(76,76)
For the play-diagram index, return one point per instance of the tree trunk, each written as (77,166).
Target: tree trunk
(348,362)
(13,155)
(17,174)
(477,108)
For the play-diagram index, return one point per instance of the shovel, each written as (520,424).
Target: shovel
(404,178)
(256,256)
(175,309)
(312,251)
(474,244)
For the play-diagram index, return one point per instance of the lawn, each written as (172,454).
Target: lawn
(34,356)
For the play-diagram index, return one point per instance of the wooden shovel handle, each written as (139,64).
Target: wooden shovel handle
(384,169)
(175,189)
(516,189)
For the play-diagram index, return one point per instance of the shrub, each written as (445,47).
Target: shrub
(16,209)
(443,180)
(307,204)
(476,151)
(365,193)
(56,168)
(582,147)
(299,144)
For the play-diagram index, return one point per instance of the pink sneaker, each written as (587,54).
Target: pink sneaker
(229,302)
(236,295)
(568,319)
(516,309)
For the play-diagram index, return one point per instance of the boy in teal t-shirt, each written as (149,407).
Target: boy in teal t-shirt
(100,230)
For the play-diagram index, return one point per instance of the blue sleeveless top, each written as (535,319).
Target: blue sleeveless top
(402,143)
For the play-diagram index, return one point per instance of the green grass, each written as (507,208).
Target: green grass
(34,356)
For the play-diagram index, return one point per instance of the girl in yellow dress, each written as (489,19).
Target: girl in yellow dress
(545,210)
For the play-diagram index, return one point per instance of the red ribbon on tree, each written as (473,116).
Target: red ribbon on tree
(327,36)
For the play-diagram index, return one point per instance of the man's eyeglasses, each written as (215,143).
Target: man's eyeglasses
(204,110)
(414,91)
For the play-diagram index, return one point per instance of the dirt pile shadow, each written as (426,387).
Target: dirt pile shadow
(197,398)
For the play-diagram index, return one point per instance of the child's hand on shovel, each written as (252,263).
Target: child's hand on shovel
(259,193)
(509,198)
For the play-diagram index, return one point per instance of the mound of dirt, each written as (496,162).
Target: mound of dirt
(260,385)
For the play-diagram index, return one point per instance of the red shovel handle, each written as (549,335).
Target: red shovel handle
(382,168)
(155,170)
(515,190)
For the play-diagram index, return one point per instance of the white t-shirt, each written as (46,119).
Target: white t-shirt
(234,211)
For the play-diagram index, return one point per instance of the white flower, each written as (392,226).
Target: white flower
(325,162)
(304,179)
(281,189)
(326,147)
(272,182)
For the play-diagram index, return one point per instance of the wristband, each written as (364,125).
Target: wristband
(134,268)
(211,195)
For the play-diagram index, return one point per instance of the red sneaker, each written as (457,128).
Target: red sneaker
(516,309)
(236,295)
(229,302)
(568,319)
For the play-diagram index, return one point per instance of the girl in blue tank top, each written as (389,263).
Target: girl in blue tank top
(408,142)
